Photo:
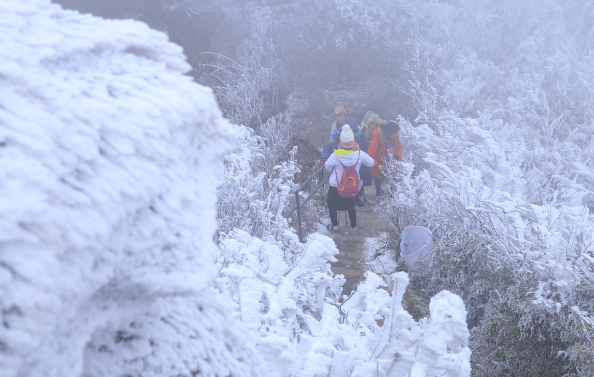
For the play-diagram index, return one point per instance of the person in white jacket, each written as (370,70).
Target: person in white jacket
(347,154)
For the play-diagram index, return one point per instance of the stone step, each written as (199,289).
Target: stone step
(350,262)
(359,253)
(350,256)
(361,268)
(351,266)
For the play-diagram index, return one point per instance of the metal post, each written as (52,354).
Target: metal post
(298,216)
(318,173)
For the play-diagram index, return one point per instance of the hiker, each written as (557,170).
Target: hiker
(344,178)
(370,122)
(384,145)
(364,121)
(365,171)
(373,122)
(362,143)
(341,119)
(335,140)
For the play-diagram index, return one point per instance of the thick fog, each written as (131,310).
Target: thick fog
(470,55)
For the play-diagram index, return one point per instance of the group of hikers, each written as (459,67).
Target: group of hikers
(355,157)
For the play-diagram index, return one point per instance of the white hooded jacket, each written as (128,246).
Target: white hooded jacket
(334,167)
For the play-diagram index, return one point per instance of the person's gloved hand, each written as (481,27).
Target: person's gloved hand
(322,162)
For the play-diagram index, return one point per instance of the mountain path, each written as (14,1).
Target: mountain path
(353,244)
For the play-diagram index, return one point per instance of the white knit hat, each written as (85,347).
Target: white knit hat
(346,135)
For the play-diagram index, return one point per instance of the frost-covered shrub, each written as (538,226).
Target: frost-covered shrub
(508,193)
(288,298)
(248,84)
(257,181)
(239,91)
(524,269)
(277,133)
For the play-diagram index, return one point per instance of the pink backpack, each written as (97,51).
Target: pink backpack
(348,187)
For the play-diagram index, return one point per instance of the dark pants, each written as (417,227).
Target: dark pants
(365,174)
(338,203)
(366,179)
(378,185)
(361,190)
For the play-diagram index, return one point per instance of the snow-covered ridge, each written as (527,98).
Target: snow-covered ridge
(107,202)
(28,24)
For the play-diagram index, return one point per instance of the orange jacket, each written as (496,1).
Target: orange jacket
(378,151)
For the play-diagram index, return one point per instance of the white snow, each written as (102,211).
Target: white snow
(110,157)
(301,328)
(110,161)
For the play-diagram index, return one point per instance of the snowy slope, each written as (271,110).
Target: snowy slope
(107,203)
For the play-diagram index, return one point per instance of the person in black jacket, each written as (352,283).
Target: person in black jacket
(364,172)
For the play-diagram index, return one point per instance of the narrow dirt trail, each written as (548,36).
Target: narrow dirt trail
(314,126)
(352,244)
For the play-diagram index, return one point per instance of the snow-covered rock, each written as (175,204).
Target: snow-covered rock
(109,161)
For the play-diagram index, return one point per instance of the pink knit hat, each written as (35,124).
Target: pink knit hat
(340,110)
